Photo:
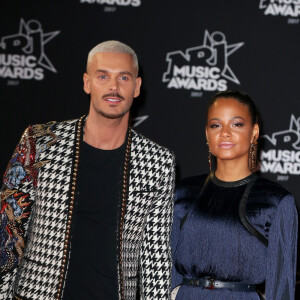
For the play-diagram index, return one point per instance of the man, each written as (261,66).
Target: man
(86,205)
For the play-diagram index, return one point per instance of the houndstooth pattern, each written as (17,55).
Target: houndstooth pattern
(147,223)
(37,277)
(40,269)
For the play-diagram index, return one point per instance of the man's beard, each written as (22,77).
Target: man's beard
(112,116)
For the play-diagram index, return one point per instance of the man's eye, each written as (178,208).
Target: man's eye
(214,126)
(102,76)
(124,78)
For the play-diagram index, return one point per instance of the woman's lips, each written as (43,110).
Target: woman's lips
(226,145)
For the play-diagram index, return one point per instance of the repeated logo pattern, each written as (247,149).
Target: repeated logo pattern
(202,68)
(23,55)
(133,3)
(281,154)
(285,8)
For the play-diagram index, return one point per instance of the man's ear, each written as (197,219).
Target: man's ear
(86,83)
(137,90)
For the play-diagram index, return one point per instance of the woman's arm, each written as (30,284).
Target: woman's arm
(282,252)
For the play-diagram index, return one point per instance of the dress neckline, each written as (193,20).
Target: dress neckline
(240,182)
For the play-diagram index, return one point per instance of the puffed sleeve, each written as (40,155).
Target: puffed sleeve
(181,207)
(282,252)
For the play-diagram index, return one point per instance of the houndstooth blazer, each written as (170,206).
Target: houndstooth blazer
(37,197)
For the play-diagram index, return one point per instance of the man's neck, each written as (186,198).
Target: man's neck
(105,134)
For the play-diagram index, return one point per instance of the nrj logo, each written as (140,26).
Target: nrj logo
(286,8)
(22,55)
(282,153)
(204,67)
(134,3)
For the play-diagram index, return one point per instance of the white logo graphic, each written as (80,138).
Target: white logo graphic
(282,153)
(22,55)
(286,8)
(134,3)
(139,120)
(202,68)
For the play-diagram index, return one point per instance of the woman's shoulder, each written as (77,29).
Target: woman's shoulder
(189,187)
(270,190)
(271,187)
(186,191)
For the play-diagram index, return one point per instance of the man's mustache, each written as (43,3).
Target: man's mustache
(113,95)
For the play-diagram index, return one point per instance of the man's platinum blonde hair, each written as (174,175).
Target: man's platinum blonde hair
(114,47)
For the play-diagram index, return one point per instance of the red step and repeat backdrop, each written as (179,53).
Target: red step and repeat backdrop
(188,50)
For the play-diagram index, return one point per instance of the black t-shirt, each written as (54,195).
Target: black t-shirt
(92,272)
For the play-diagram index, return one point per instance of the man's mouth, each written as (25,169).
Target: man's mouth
(114,100)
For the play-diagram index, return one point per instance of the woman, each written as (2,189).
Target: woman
(233,229)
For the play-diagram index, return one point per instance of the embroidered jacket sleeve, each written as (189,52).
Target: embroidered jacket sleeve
(155,258)
(282,250)
(17,194)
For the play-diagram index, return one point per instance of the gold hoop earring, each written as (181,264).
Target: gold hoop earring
(209,156)
(209,160)
(252,156)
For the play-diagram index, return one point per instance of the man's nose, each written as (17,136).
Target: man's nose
(114,84)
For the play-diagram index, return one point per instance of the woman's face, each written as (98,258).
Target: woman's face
(229,130)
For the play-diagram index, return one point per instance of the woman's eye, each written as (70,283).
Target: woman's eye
(238,124)
(214,125)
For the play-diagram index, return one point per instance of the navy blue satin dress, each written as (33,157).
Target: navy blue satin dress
(208,238)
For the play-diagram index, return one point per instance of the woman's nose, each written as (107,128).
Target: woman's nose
(225,132)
